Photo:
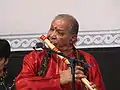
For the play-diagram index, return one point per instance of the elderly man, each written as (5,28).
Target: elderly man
(45,71)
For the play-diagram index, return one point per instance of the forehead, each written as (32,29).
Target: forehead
(60,24)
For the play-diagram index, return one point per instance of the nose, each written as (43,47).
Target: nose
(53,34)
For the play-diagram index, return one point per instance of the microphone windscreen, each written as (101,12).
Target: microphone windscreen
(39,45)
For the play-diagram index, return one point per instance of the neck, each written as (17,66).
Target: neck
(66,49)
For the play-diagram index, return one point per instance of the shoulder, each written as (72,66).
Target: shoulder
(85,54)
(89,57)
(34,55)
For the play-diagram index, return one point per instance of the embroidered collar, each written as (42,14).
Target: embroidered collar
(2,79)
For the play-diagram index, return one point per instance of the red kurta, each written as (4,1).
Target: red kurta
(28,79)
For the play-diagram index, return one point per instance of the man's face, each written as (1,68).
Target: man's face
(58,33)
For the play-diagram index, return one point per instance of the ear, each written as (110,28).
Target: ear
(6,62)
(74,38)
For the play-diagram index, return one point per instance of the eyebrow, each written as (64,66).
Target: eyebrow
(56,28)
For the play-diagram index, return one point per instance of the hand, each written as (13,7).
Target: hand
(79,73)
(93,85)
(66,76)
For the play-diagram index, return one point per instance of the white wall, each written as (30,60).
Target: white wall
(34,16)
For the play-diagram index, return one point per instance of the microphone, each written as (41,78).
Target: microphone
(39,45)
(43,46)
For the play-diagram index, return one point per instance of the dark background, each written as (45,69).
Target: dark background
(107,58)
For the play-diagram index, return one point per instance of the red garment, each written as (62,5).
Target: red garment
(28,79)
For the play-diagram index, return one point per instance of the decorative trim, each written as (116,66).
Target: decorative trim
(96,39)
(86,39)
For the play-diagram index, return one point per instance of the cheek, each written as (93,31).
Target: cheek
(63,40)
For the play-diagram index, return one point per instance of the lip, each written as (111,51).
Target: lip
(53,41)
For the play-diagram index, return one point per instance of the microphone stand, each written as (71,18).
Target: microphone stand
(72,66)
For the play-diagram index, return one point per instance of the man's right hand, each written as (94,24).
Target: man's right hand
(65,77)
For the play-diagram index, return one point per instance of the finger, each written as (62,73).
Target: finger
(79,68)
(92,85)
(79,76)
(79,72)
(78,80)
(69,69)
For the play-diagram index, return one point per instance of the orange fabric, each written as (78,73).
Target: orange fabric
(28,79)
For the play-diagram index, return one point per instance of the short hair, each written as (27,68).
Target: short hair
(74,25)
(4,49)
